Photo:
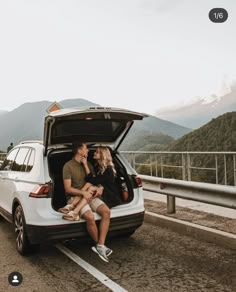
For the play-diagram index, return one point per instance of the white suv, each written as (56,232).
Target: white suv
(31,184)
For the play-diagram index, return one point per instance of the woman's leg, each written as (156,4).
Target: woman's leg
(79,202)
(76,200)
(80,205)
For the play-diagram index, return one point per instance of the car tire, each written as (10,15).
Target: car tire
(23,245)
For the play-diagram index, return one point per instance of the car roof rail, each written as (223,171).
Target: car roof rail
(31,142)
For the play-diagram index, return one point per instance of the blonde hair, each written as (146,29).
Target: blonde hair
(105,159)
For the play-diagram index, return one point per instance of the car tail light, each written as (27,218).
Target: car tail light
(138,181)
(41,191)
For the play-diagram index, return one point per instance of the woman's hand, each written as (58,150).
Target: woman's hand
(84,161)
(88,194)
(99,192)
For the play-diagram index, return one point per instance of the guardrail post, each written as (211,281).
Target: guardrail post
(189,166)
(234,171)
(171,204)
(134,161)
(162,172)
(225,169)
(150,157)
(183,167)
(216,164)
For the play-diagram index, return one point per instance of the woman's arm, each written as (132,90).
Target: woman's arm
(100,179)
(86,166)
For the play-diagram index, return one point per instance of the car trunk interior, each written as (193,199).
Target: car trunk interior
(56,161)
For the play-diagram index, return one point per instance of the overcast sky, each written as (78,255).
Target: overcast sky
(136,54)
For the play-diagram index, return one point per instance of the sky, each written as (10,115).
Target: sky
(137,54)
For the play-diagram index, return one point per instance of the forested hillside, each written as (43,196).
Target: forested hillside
(217,135)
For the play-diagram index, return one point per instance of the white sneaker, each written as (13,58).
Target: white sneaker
(108,251)
(101,251)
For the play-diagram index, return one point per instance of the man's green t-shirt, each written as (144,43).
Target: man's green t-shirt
(75,171)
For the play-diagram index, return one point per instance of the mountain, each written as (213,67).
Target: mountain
(27,122)
(217,135)
(153,125)
(146,142)
(201,110)
(153,134)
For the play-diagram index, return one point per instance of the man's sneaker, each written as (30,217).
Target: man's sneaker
(108,251)
(101,251)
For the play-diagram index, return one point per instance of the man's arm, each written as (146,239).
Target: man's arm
(76,192)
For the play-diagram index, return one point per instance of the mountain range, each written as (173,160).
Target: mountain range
(216,136)
(27,122)
(201,110)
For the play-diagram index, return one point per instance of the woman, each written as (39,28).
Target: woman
(106,176)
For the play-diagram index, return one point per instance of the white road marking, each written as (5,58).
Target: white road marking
(90,269)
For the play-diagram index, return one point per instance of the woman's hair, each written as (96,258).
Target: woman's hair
(105,159)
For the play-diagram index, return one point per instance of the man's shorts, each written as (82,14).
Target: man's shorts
(89,207)
(92,206)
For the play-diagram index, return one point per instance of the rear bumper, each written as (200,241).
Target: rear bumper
(119,225)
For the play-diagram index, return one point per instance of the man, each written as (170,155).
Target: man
(10,147)
(74,179)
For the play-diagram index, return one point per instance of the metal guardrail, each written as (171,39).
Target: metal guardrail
(157,163)
(219,195)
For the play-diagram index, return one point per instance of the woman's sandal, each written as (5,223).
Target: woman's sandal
(71,216)
(66,209)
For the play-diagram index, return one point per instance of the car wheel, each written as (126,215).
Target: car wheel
(23,245)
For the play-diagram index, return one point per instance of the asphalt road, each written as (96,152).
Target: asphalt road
(153,259)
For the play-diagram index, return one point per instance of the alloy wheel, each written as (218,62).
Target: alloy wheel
(19,229)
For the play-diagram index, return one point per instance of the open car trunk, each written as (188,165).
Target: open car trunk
(94,125)
(56,161)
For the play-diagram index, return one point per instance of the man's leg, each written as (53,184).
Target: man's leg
(101,208)
(88,216)
(105,214)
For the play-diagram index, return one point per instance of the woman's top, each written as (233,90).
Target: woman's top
(111,193)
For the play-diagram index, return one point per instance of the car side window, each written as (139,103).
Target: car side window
(18,164)
(9,160)
(30,163)
(24,166)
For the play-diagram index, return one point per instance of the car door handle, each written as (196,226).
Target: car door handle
(2,177)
